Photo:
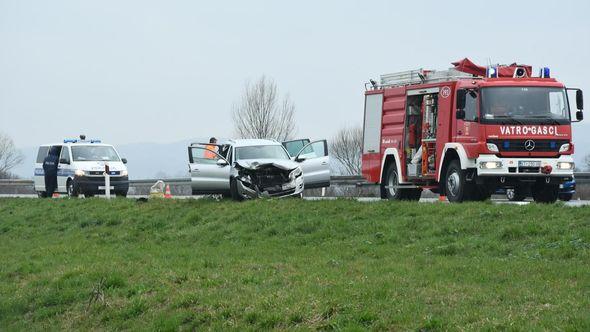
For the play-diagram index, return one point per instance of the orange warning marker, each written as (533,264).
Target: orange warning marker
(167,194)
(55,195)
(442,198)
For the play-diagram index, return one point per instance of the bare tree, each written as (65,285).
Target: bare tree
(346,147)
(587,162)
(260,113)
(9,156)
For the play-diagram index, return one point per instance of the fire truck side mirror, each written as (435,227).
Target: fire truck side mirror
(579,100)
(461,97)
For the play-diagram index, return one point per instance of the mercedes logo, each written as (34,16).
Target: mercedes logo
(529,145)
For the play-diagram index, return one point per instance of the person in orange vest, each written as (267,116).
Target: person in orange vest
(211,149)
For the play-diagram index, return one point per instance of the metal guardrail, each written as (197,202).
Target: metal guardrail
(357,180)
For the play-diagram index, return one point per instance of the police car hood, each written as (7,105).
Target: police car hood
(99,165)
(255,164)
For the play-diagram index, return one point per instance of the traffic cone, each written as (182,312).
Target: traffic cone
(55,195)
(167,194)
(442,198)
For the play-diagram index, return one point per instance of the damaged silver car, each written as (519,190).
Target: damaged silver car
(252,168)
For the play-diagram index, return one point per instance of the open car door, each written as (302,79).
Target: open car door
(315,163)
(208,169)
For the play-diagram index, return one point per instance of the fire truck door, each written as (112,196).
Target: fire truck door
(467,129)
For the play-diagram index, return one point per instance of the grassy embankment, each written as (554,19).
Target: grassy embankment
(290,264)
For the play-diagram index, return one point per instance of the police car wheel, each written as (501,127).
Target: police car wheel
(73,190)
(42,194)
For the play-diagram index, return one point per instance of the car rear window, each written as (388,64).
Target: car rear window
(43,150)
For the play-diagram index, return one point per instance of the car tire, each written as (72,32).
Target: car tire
(456,188)
(546,193)
(515,195)
(566,197)
(233,188)
(72,188)
(42,194)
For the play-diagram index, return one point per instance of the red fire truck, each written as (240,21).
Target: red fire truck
(468,131)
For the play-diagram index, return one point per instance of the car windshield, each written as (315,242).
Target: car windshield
(94,153)
(261,152)
(535,105)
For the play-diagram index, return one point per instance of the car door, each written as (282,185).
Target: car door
(315,163)
(209,170)
(39,177)
(63,169)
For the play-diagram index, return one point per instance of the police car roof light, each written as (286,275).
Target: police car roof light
(70,140)
(95,141)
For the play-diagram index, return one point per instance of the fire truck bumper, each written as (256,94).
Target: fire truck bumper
(558,169)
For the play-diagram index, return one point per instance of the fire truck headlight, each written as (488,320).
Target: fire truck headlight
(565,165)
(490,164)
(564,147)
(492,147)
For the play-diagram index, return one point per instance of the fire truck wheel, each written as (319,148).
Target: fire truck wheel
(389,182)
(455,186)
(546,193)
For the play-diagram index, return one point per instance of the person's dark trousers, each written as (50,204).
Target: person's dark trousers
(50,184)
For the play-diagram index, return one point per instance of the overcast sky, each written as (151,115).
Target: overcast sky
(147,71)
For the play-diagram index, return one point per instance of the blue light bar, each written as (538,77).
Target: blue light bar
(545,72)
(70,140)
(95,141)
(492,72)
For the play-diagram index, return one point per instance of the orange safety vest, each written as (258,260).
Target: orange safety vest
(210,152)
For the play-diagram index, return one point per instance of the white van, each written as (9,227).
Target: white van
(81,168)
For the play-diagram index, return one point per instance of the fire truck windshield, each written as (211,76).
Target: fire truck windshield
(530,105)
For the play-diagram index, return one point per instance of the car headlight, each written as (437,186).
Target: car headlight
(564,147)
(124,173)
(490,164)
(492,147)
(79,172)
(295,173)
(565,165)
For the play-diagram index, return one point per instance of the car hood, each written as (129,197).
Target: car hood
(99,165)
(254,164)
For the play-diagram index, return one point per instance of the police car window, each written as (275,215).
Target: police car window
(43,151)
(65,155)
(94,153)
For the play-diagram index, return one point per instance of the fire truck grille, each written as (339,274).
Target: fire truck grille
(519,145)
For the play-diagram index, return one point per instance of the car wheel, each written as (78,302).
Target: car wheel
(42,194)
(566,197)
(456,187)
(515,195)
(72,188)
(546,193)
(233,188)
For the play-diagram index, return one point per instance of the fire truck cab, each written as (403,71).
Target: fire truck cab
(468,131)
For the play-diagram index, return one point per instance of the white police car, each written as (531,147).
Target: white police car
(81,168)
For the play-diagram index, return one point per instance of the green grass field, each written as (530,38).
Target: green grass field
(293,265)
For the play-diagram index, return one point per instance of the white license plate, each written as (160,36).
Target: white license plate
(528,163)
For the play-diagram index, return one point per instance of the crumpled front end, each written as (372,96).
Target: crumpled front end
(256,180)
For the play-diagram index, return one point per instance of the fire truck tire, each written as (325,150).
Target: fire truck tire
(391,179)
(545,193)
(456,188)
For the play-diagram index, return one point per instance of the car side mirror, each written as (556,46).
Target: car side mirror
(579,100)
(461,98)
(579,116)
(63,161)
(460,114)
(300,158)
(124,160)
(221,162)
